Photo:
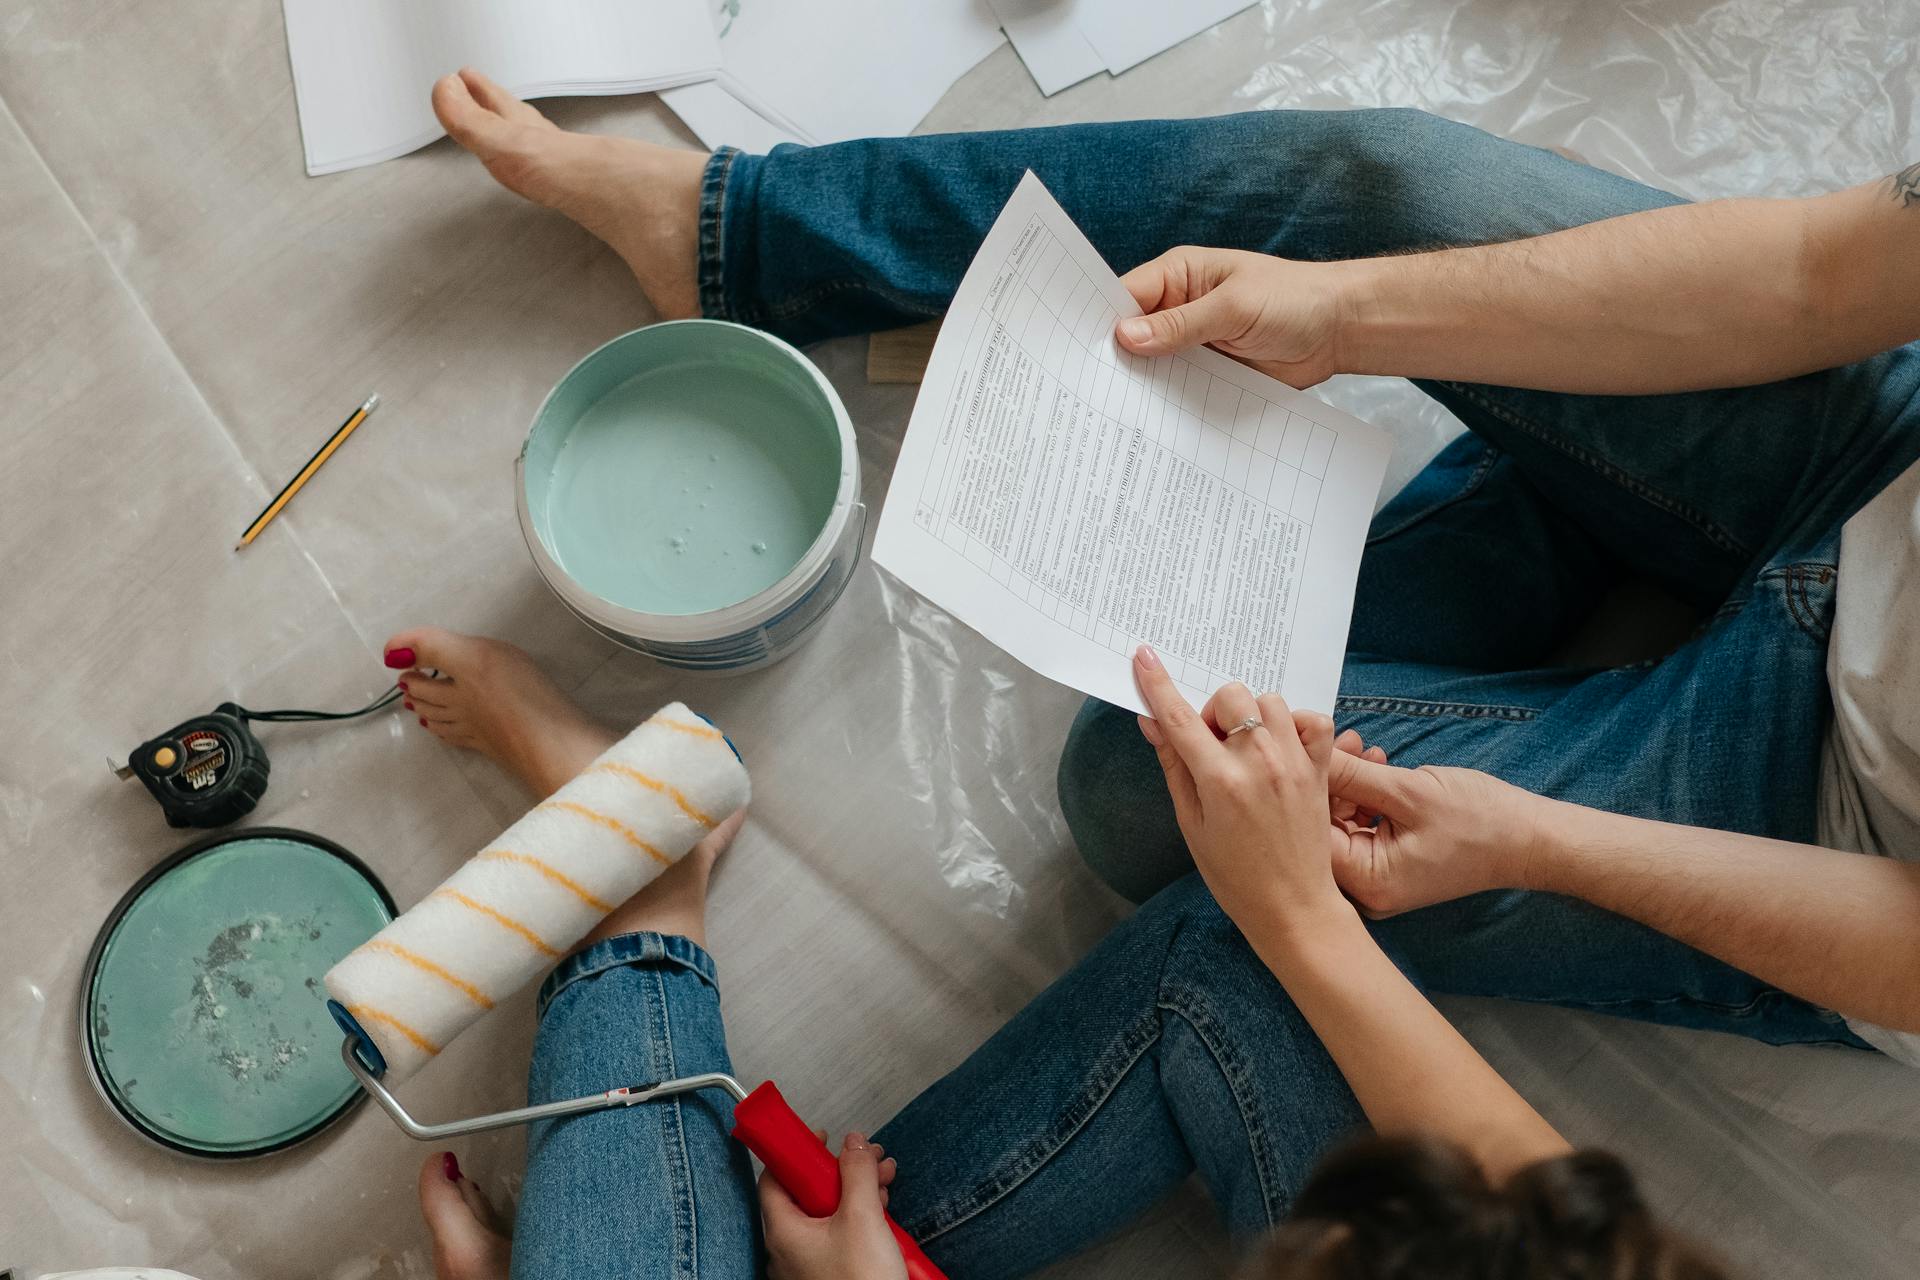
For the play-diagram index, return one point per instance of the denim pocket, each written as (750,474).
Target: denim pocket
(1805,591)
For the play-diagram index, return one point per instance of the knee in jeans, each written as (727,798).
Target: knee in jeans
(1203,949)
(1114,798)
(1377,149)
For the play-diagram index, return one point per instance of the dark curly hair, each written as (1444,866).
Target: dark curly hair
(1406,1209)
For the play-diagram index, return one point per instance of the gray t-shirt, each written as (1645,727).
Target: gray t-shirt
(1870,777)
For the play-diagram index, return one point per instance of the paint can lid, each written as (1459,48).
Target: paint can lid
(203,1017)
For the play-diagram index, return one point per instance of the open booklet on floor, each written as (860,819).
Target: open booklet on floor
(362,69)
(1070,500)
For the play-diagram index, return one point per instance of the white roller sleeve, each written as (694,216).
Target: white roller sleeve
(522,902)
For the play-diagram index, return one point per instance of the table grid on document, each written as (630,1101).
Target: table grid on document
(1266,452)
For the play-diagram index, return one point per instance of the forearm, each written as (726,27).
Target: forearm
(1411,1071)
(1841,930)
(1725,293)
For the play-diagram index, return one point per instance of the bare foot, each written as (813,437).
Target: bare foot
(491,698)
(467,1241)
(676,901)
(642,199)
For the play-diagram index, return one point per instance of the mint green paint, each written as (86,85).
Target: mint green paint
(683,468)
(207,1015)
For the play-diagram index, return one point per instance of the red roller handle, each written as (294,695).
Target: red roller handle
(801,1163)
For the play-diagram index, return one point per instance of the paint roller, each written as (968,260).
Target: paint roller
(524,901)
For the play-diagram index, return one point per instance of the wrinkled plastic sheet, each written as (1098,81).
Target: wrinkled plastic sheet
(182,312)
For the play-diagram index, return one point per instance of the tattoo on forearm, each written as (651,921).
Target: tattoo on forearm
(1905,186)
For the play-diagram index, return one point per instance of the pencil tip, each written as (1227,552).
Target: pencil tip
(373,402)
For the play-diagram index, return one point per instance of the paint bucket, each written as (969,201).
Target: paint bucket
(203,1022)
(691,490)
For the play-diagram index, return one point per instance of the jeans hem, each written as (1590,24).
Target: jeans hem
(712,254)
(646,950)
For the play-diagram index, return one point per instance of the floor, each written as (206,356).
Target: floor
(182,313)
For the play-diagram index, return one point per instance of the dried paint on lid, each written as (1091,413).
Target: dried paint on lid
(205,1020)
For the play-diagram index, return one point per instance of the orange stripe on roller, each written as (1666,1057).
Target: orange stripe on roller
(539,944)
(367,1013)
(564,881)
(654,784)
(706,731)
(611,824)
(420,962)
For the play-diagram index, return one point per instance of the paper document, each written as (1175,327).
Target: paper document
(1048,37)
(1065,41)
(363,69)
(1129,32)
(835,70)
(1070,500)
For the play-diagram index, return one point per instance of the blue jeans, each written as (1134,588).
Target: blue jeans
(1486,563)
(1170,1049)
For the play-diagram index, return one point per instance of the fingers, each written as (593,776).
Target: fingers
(1178,723)
(1345,810)
(1162,281)
(1208,319)
(1315,731)
(1185,304)
(777,1208)
(1279,718)
(1371,784)
(1231,705)
(860,1182)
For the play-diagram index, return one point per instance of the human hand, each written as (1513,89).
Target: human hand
(1421,836)
(1280,316)
(1253,807)
(855,1243)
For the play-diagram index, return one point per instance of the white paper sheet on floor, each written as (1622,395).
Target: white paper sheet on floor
(362,69)
(830,70)
(1065,41)
(1070,500)
(184,312)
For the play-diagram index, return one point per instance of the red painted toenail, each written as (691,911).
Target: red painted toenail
(399,659)
(450,1167)
(423,722)
(407,705)
(402,684)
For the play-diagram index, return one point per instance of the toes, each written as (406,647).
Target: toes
(721,836)
(465,1246)
(502,103)
(436,647)
(480,130)
(427,691)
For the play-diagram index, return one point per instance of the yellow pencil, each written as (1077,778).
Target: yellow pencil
(314,463)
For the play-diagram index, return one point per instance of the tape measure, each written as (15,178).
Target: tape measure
(211,770)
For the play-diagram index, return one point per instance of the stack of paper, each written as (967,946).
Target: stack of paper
(832,70)
(1065,41)
(362,69)
(750,73)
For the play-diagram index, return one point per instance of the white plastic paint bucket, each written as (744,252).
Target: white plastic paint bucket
(588,517)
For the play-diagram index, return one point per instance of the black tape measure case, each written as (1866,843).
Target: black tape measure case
(205,772)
